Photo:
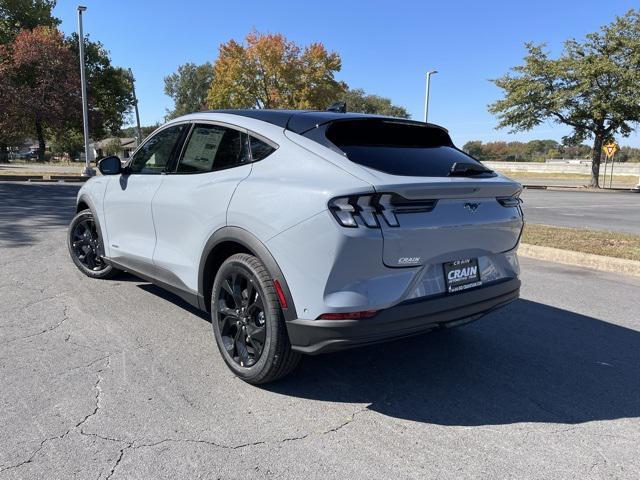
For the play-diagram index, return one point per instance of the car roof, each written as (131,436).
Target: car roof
(301,121)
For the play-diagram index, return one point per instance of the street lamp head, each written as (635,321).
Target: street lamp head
(81,8)
(431,72)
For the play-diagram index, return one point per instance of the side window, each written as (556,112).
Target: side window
(155,153)
(212,147)
(260,149)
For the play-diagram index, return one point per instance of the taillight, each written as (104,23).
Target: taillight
(348,315)
(371,207)
(513,201)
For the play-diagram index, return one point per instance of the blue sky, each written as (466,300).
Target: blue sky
(386,47)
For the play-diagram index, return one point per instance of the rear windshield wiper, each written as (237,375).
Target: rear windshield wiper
(464,169)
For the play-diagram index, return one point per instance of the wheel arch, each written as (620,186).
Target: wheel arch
(231,240)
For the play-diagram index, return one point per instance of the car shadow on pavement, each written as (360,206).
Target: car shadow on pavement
(166,295)
(27,210)
(528,362)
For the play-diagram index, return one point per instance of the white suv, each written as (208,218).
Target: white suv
(305,231)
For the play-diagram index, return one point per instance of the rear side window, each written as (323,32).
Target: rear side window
(260,149)
(397,148)
(212,147)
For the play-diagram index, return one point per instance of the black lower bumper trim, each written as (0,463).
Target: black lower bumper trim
(406,319)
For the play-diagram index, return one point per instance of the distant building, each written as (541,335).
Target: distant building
(105,147)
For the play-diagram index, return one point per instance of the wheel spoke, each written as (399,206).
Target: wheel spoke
(232,287)
(226,323)
(226,311)
(226,286)
(257,336)
(229,345)
(256,304)
(241,349)
(250,294)
(257,332)
(237,289)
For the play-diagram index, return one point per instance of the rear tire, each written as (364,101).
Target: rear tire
(85,244)
(248,323)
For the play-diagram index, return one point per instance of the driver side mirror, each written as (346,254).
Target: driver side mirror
(110,165)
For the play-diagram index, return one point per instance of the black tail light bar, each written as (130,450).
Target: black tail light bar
(370,208)
(514,201)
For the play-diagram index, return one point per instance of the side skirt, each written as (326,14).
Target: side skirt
(190,296)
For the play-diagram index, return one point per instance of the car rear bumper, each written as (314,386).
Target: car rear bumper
(406,319)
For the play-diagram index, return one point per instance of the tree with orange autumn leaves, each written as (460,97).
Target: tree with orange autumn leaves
(270,71)
(39,83)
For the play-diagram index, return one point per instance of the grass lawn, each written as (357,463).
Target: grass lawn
(599,242)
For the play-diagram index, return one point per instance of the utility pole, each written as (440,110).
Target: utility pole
(87,171)
(426,95)
(135,105)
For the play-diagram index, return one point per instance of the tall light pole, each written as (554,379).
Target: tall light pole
(135,105)
(87,171)
(426,95)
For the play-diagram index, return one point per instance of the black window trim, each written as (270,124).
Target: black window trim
(171,163)
(246,131)
(264,139)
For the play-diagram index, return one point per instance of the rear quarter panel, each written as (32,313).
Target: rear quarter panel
(286,188)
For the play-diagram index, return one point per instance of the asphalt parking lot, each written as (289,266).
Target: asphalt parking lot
(118,379)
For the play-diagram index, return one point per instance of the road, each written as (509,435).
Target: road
(21,168)
(627,182)
(118,379)
(616,211)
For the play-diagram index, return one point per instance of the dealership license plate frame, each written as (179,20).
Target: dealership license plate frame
(467,280)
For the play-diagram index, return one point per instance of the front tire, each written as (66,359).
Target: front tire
(248,323)
(85,244)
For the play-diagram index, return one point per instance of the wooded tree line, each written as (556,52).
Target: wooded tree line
(269,71)
(40,82)
(539,151)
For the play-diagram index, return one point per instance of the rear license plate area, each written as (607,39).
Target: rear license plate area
(462,275)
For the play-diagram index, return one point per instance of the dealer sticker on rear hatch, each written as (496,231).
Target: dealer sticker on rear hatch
(462,274)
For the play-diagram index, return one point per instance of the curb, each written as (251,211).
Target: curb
(45,178)
(579,259)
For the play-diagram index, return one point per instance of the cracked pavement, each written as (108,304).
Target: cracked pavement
(120,380)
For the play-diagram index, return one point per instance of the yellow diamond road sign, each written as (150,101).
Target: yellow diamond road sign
(610,149)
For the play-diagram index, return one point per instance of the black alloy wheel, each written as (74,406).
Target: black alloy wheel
(241,318)
(85,243)
(85,246)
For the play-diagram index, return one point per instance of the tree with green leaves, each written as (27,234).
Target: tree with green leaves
(188,88)
(593,87)
(270,71)
(67,142)
(109,88)
(359,101)
(16,15)
(145,131)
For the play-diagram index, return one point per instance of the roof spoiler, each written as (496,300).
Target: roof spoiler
(338,107)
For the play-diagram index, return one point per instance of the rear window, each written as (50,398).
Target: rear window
(397,148)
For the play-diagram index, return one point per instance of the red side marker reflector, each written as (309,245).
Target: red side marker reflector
(283,300)
(348,315)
